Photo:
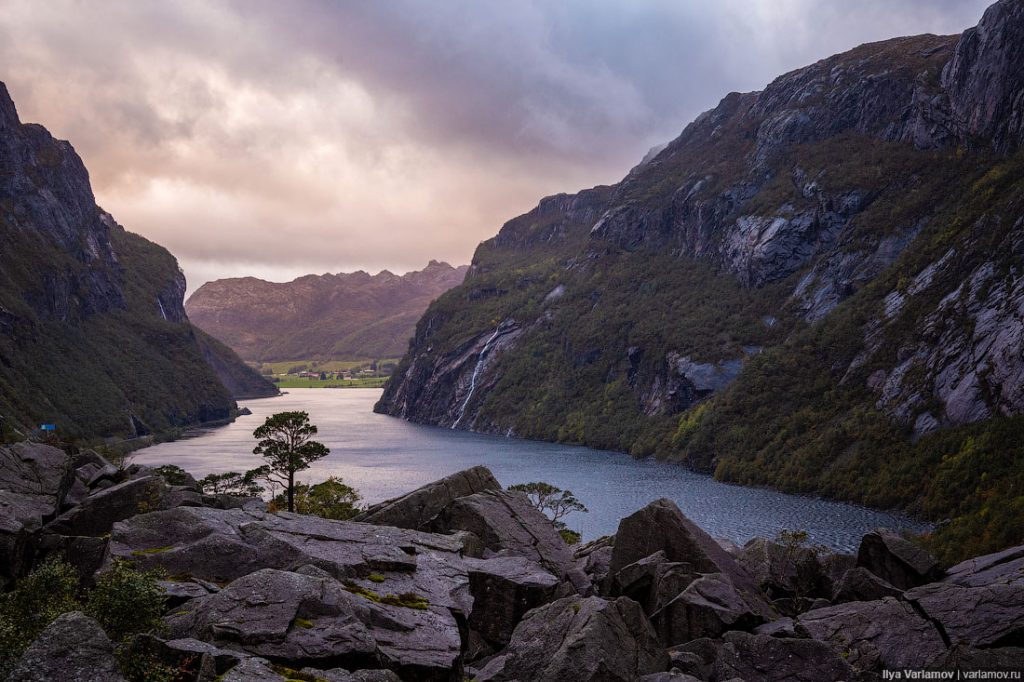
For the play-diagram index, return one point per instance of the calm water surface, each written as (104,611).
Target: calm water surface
(384,457)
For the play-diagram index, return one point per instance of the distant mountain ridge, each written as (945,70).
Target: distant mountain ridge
(342,316)
(818,286)
(93,335)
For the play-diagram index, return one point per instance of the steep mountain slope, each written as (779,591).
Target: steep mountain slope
(344,316)
(817,286)
(93,335)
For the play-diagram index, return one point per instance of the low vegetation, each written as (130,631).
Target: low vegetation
(555,503)
(125,602)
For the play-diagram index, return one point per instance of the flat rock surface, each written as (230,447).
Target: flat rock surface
(874,635)
(768,659)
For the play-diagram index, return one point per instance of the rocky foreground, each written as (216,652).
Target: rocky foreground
(461,579)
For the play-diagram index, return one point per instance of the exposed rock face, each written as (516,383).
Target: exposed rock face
(351,315)
(984,80)
(874,194)
(72,648)
(580,639)
(76,285)
(417,509)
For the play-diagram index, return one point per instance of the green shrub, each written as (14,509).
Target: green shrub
(127,602)
(36,601)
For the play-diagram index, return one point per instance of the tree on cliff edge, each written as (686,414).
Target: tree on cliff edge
(285,443)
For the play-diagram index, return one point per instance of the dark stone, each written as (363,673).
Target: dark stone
(695,658)
(316,621)
(661,526)
(252,670)
(897,561)
(506,523)
(966,659)
(181,498)
(784,627)
(771,659)
(985,78)
(341,675)
(34,480)
(782,570)
(595,557)
(876,635)
(710,606)
(860,584)
(100,511)
(580,639)
(1005,566)
(417,509)
(504,589)
(652,582)
(73,648)
(983,616)
(84,553)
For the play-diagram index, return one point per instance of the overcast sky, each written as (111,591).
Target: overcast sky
(277,139)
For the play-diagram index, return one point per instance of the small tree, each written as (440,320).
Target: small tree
(331,499)
(233,483)
(555,502)
(285,442)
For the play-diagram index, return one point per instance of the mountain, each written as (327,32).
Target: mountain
(93,334)
(816,287)
(344,316)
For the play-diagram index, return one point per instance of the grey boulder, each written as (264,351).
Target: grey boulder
(504,589)
(34,480)
(708,607)
(983,616)
(860,584)
(884,634)
(769,659)
(581,639)
(652,581)
(661,526)
(98,512)
(309,618)
(784,570)
(506,523)
(73,648)
(896,560)
(418,508)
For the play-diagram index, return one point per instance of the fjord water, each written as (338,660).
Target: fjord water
(384,457)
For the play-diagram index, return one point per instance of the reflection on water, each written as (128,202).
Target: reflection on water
(384,457)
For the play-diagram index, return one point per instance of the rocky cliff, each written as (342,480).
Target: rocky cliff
(343,316)
(816,286)
(459,580)
(93,334)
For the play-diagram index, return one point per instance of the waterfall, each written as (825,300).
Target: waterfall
(476,372)
(161,304)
